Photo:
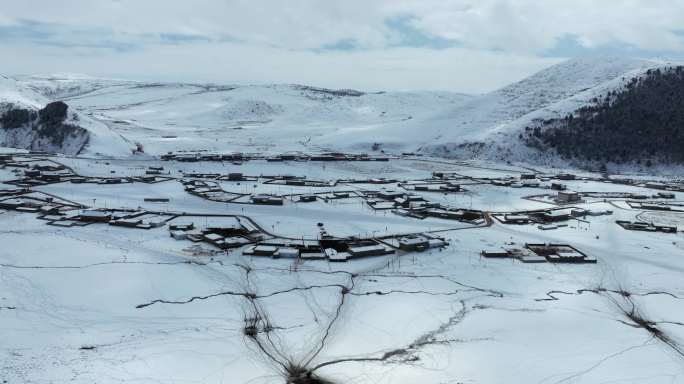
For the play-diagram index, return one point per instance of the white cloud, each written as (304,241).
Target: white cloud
(295,24)
(495,41)
(533,26)
(453,69)
(521,25)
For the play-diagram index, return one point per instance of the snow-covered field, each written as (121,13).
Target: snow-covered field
(108,304)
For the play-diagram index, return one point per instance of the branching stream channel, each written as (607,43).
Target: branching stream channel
(302,367)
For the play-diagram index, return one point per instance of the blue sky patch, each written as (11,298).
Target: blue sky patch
(406,34)
(570,46)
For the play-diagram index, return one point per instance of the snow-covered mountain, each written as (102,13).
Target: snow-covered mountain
(172,116)
(177,116)
(495,119)
(29,121)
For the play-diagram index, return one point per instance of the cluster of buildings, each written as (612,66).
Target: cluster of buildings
(297,181)
(23,200)
(327,156)
(565,197)
(443,187)
(657,206)
(615,195)
(192,157)
(31,172)
(232,233)
(62,213)
(392,199)
(533,180)
(34,177)
(139,219)
(646,227)
(548,216)
(669,186)
(210,190)
(336,250)
(35,172)
(541,253)
(416,206)
(344,249)
(372,180)
(241,157)
(16,160)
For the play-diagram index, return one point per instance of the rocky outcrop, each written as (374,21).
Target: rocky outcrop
(48,129)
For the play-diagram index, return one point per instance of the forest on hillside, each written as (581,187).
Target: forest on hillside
(643,123)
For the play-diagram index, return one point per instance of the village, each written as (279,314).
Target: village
(424,198)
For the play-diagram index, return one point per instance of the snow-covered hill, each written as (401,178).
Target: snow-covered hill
(551,93)
(168,116)
(176,116)
(495,119)
(73,134)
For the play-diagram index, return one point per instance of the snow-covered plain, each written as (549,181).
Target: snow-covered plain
(107,304)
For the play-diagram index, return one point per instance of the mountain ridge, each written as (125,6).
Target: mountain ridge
(279,117)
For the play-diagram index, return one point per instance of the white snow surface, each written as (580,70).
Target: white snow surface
(70,298)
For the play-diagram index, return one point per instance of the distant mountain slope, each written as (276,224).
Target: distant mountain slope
(510,140)
(525,121)
(551,93)
(540,90)
(644,121)
(170,116)
(29,121)
(497,117)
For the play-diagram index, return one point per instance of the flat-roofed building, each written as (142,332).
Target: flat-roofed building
(267,200)
(516,219)
(93,216)
(568,197)
(414,243)
(369,250)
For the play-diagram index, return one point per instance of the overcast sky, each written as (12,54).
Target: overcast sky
(457,45)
